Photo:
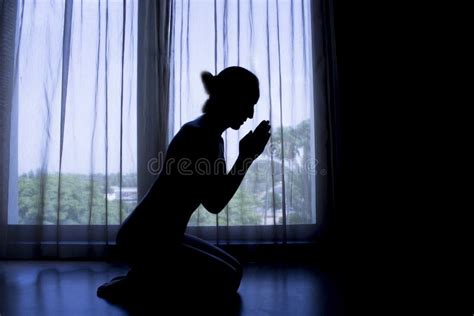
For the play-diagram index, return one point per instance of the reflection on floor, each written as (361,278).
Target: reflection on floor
(69,288)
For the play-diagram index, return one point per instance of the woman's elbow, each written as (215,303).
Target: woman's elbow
(214,210)
(213,207)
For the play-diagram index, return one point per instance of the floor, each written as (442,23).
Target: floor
(68,288)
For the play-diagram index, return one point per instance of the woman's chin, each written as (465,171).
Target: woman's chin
(236,125)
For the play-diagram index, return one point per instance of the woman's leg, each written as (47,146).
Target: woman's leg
(206,273)
(205,246)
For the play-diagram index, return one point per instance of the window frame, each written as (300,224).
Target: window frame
(72,236)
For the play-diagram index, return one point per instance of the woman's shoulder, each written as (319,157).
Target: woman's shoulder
(191,127)
(190,135)
(190,132)
(196,124)
(193,138)
(196,129)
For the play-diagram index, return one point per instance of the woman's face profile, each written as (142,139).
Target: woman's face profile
(234,92)
(242,110)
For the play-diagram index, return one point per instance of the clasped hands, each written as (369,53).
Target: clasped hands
(253,144)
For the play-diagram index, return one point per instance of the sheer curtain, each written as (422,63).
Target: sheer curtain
(73,148)
(281,196)
(91,92)
(8,9)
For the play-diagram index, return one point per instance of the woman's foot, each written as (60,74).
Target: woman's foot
(117,290)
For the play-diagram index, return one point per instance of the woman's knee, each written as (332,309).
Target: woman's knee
(200,262)
(207,247)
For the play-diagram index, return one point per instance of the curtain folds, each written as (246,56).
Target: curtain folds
(73,126)
(153,84)
(8,18)
(91,93)
(281,197)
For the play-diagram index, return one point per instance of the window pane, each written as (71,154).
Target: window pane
(273,40)
(96,127)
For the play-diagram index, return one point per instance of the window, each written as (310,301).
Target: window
(272,39)
(75,147)
(75,144)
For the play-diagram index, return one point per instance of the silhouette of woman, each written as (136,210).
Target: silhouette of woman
(152,239)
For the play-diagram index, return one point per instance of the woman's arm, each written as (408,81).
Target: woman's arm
(219,189)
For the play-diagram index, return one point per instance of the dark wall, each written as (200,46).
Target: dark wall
(397,229)
(368,224)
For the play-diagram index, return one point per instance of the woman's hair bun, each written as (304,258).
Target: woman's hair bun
(209,82)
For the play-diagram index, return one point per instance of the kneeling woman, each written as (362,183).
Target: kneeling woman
(152,239)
